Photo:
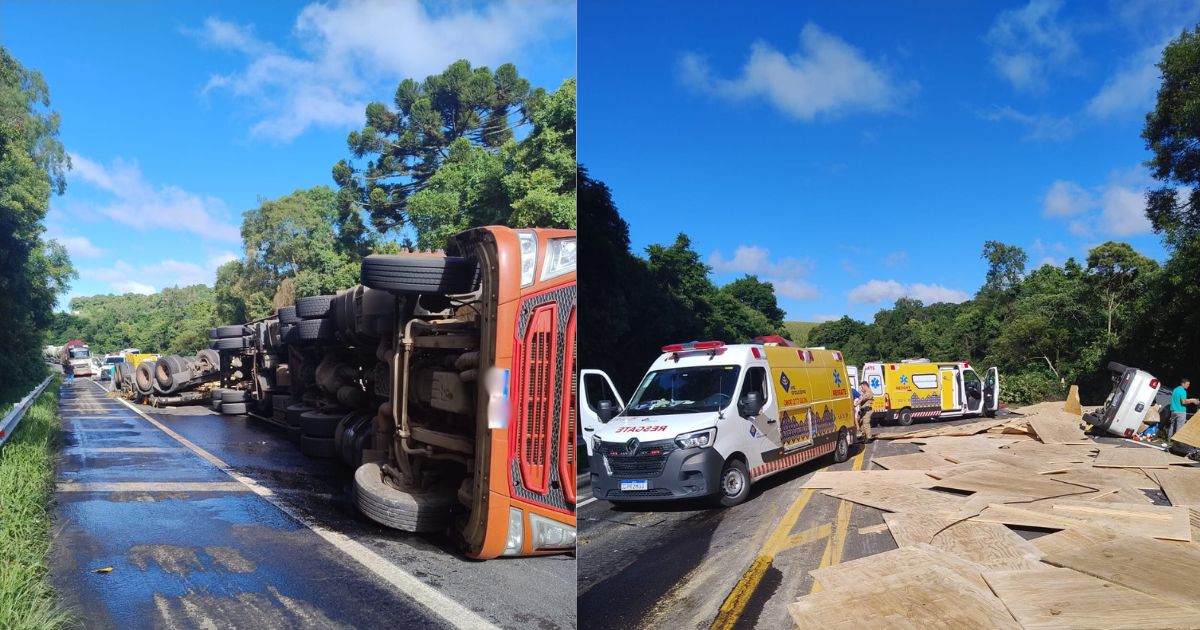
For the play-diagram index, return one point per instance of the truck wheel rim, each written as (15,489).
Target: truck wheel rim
(733,483)
(843,443)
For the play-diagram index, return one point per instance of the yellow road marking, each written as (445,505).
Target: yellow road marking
(837,541)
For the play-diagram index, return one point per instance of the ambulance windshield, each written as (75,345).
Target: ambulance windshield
(684,390)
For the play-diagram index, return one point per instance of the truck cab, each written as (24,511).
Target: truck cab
(710,419)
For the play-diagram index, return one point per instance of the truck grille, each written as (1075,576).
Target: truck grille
(537,395)
(648,461)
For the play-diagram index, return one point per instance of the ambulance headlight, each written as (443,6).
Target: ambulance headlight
(528,256)
(597,443)
(697,439)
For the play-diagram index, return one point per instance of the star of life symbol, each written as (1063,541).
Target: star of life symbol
(904,380)
(874,382)
(784,382)
(837,378)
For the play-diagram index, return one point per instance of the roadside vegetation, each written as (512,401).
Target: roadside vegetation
(1044,327)
(27,601)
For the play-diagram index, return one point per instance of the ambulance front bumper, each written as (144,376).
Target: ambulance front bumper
(685,473)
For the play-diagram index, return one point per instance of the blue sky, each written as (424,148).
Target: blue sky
(856,152)
(181,116)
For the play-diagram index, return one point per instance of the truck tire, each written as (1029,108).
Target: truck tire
(735,483)
(208,360)
(313,307)
(144,377)
(294,411)
(233,396)
(225,332)
(319,424)
(904,418)
(279,405)
(416,273)
(408,509)
(216,398)
(316,329)
(227,343)
(283,377)
(287,315)
(321,447)
(233,408)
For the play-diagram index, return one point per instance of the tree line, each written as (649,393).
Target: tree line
(34,271)
(1045,328)
(467,147)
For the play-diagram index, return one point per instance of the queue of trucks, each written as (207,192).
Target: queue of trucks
(444,383)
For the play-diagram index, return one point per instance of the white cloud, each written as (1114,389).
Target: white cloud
(795,289)
(756,260)
(1029,43)
(875,291)
(1047,260)
(79,246)
(220,258)
(123,277)
(145,206)
(1042,127)
(1131,89)
(1066,199)
(350,45)
(1115,208)
(825,317)
(826,77)
(896,258)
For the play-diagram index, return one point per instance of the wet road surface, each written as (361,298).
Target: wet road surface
(241,530)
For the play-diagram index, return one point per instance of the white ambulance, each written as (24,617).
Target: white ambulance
(710,419)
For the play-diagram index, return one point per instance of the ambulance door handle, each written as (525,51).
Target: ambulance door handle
(770,421)
(588,429)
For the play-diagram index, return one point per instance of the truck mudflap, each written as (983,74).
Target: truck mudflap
(684,473)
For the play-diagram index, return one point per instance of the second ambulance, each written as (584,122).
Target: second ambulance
(710,419)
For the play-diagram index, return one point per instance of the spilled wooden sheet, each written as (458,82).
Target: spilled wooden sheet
(1082,536)
(1154,567)
(912,461)
(901,560)
(930,597)
(970,428)
(991,465)
(1025,486)
(1135,457)
(845,478)
(986,544)
(1190,433)
(1181,485)
(1062,430)
(1064,599)
(1132,519)
(896,498)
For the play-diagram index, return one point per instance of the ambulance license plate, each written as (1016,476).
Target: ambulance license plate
(634,484)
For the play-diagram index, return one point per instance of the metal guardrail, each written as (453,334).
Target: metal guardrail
(14,415)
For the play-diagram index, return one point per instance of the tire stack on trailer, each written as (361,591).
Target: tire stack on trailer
(255,376)
(312,336)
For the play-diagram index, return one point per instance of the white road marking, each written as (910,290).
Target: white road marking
(152,486)
(451,611)
(585,502)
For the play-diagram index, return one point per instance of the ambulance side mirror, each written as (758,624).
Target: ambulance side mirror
(750,404)
(605,410)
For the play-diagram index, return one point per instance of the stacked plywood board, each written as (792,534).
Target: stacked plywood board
(1115,556)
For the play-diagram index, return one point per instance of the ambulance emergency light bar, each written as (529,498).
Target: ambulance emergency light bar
(693,345)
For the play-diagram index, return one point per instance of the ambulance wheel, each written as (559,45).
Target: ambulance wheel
(990,413)
(735,483)
(841,452)
(905,418)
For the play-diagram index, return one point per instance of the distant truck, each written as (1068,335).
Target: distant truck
(710,419)
(919,388)
(80,356)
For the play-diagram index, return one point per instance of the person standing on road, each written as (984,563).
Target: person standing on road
(69,370)
(1179,403)
(862,410)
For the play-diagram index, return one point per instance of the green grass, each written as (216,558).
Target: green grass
(27,601)
(799,331)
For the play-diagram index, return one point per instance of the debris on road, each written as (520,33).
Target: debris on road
(955,508)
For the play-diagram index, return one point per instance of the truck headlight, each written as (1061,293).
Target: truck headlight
(560,258)
(528,256)
(696,438)
(548,534)
(516,533)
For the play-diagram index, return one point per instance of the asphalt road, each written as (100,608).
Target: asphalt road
(219,521)
(690,565)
